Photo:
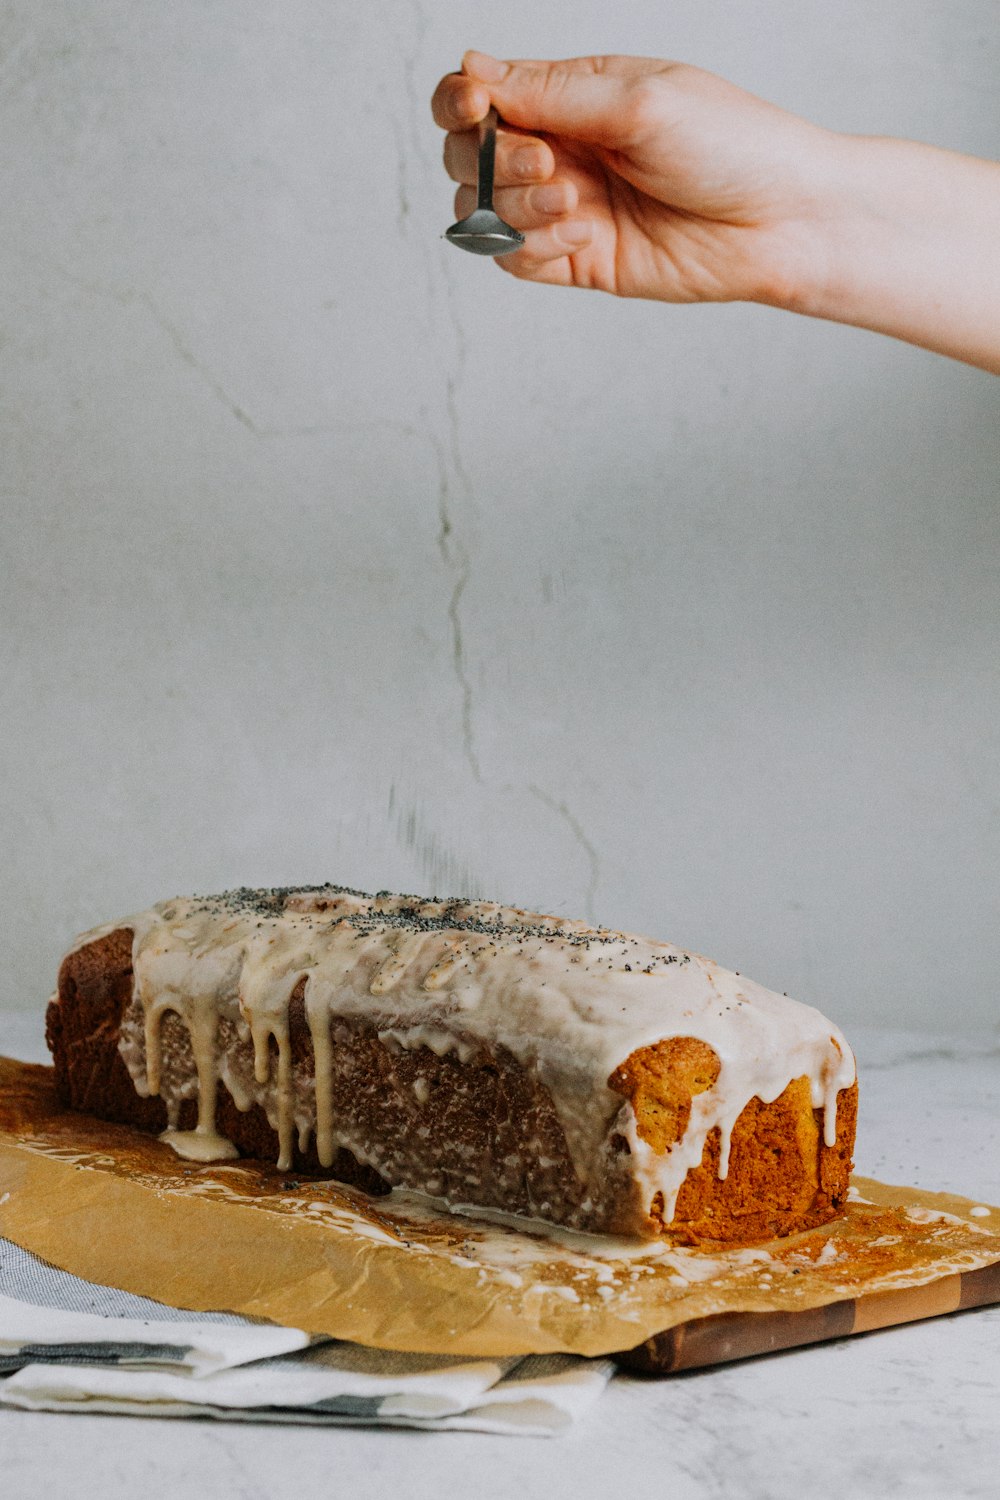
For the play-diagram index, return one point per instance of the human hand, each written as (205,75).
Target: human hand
(654,179)
(642,178)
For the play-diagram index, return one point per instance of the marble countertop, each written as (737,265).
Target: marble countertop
(912,1411)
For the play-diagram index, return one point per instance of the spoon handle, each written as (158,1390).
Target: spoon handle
(487,158)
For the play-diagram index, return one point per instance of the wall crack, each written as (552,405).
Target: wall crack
(589,850)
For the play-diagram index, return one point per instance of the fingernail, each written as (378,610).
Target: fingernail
(484,67)
(575,232)
(527,162)
(550,199)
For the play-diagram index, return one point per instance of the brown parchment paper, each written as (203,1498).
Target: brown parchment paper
(110,1204)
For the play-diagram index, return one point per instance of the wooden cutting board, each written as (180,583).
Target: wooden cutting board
(725,1337)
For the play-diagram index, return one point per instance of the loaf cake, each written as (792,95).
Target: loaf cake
(483,1055)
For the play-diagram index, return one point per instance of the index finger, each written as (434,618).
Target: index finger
(459,102)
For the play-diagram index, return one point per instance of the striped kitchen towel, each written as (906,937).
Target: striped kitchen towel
(72,1346)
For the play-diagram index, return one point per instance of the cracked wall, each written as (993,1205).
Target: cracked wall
(332,554)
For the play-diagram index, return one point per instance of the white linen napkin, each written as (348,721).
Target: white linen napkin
(71,1345)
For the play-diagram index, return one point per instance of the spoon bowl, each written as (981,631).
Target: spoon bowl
(483,232)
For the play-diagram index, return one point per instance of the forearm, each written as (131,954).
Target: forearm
(911,247)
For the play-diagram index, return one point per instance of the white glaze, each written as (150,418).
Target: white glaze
(567,1000)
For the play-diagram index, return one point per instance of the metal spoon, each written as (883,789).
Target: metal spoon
(484,232)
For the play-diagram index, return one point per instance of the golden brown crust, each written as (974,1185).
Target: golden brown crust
(781,1176)
(660,1081)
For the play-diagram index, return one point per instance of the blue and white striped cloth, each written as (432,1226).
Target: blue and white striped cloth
(72,1346)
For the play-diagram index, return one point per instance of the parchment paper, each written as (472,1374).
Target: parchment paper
(110,1204)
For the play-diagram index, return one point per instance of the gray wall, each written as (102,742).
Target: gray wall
(331,554)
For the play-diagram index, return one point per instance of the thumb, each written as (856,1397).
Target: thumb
(587,98)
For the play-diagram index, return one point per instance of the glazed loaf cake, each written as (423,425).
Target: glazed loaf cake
(480,1054)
